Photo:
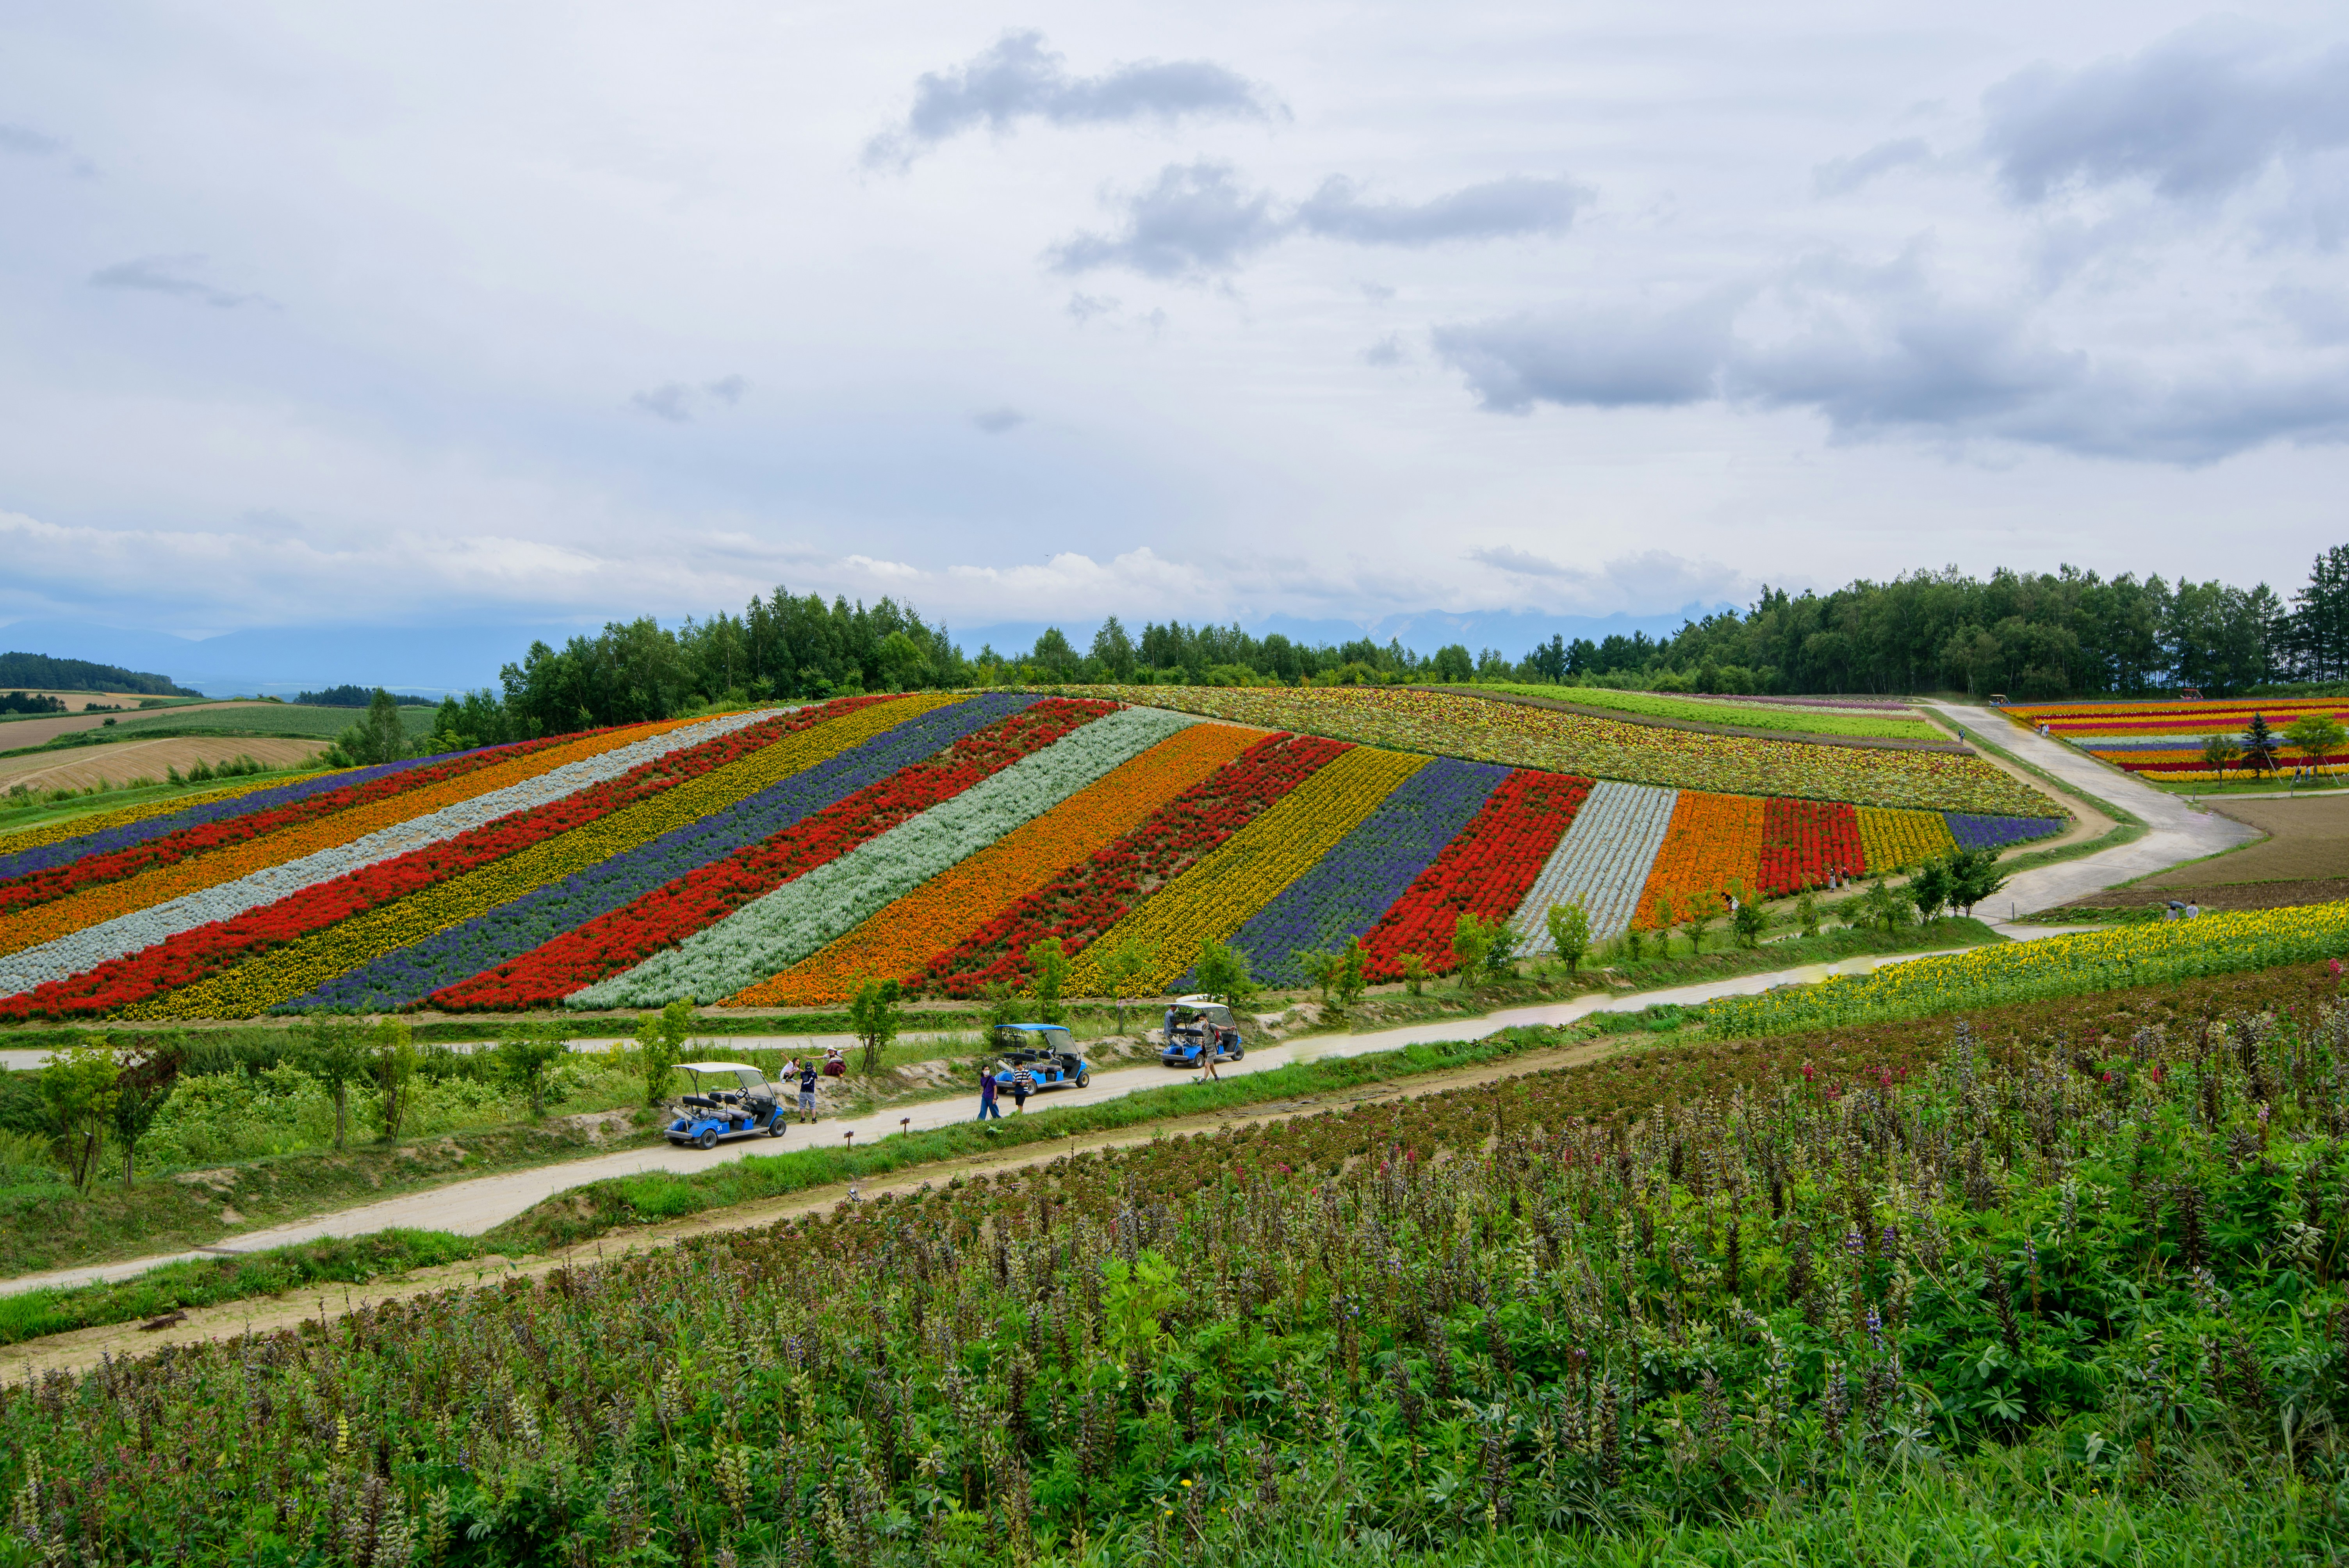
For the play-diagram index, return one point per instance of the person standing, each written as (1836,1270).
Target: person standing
(1211,1046)
(987,1105)
(1023,1084)
(807,1090)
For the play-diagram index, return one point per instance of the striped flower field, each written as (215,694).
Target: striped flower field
(781,858)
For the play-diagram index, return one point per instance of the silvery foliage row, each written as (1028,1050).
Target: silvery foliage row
(1603,862)
(771,934)
(125,935)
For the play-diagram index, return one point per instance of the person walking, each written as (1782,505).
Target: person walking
(807,1090)
(987,1105)
(1023,1084)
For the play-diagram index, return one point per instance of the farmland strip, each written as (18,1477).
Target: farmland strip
(271,979)
(1711,852)
(801,916)
(791,830)
(1805,841)
(1215,896)
(1896,840)
(1486,872)
(512,930)
(1972,832)
(23,841)
(1604,858)
(898,942)
(1344,895)
(1086,900)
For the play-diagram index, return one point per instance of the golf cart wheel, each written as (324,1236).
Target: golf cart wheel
(775,1128)
(1240,1052)
(709,1139)
(1084,1078)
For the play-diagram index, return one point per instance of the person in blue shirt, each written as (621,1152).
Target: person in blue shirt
(807,1091)
(987,1105)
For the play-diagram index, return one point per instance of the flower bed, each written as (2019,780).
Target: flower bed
(1604,858)
(126,935)
(1347,893)
(1088,899)
(899,941)
(1972,832)
(105,858)
(1897,840)
(193,955)
(527,861)
(910,730)
(829,898)
(322,848)
(1898,724)
(599,922)
(1214,898)
(1484,729)
(777,836)
(2136,955)
(1802,840)
(1711,849)
(1488,871)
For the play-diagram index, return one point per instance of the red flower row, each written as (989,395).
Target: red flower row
(1486,872)
(56,881)
(195,956)
(669,914)
(1087,900)
(1803,840)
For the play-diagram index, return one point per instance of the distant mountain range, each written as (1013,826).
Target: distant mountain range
(284,661)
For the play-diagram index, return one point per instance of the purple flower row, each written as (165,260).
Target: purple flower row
(1368,869)
(1974,832)
(412,973)
(65,851)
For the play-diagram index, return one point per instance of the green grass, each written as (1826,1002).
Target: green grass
(1752,716)
(207,1282)
(266,718)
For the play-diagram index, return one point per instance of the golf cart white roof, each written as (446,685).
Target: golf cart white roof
(718,1067)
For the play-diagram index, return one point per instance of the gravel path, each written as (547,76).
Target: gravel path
(2176,832)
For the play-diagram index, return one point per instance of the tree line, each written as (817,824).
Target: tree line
(2068,632)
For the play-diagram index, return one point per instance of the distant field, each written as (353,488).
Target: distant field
(1752,716)
(271,717)
(84,766)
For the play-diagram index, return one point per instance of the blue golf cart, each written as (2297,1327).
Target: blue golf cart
(1048,1051)
(727,1100)
(1199,1030)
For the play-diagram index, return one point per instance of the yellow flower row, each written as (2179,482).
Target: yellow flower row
(2136,955)
(110,901)
(259,983)
(896,942)
(1216,897)
(1896,840)
(77,827)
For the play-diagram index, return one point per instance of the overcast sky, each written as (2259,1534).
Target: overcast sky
(457,312)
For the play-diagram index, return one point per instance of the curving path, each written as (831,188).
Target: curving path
(2176,832)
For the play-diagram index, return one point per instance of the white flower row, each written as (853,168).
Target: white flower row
(1603,861)
(775,931)
(128,933)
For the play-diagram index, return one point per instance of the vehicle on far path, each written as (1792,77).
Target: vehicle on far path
(729,1100)
(1048,1051)
(1199,1030)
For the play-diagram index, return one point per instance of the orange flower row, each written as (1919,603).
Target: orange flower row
(1713,849)
(898,940)
(47,922)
